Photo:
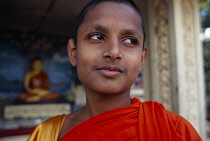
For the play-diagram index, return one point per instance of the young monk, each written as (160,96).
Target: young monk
(108,51)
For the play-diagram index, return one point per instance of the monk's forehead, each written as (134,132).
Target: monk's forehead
(114,16)
(114,8)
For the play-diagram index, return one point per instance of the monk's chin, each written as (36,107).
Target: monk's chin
(114,92)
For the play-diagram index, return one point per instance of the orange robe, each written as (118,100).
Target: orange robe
(148,121)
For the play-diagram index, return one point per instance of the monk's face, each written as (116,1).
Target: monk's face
(109,54)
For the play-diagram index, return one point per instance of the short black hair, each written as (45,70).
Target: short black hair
(94,3)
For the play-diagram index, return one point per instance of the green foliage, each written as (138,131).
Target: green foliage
(204,5)
(206,49)
(205,21)
(205,14)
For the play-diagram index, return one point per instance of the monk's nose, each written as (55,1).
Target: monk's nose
(112,51)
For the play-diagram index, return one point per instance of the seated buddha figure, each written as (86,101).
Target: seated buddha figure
(36,84)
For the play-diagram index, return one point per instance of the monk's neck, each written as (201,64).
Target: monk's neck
(97,104)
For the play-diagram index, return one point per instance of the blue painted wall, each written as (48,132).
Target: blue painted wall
(18,48)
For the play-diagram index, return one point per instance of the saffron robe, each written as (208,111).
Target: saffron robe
(148,121)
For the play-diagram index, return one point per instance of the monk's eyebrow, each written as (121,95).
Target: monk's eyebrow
(130,32)
(98,28)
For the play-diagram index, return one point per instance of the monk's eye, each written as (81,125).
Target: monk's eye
(96,37)
(131,41)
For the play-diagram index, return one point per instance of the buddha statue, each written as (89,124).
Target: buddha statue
(36,84)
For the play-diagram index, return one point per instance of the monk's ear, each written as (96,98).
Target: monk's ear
(143,57)
(71,48)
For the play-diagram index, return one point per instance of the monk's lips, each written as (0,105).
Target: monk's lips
(113,68)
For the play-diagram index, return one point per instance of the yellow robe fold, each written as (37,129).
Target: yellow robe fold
(48,130)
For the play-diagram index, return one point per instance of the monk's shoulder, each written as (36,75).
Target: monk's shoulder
(157,107)
(45,129)
(178,124)
(172,116)
(57,120)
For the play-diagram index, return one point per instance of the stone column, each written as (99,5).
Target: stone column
(158,43)
(175,60)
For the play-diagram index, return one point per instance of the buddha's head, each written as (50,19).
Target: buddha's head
(37,65)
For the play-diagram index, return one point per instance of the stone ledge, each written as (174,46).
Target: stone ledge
(36,110)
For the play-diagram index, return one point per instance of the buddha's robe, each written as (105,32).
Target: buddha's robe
(39,81)
(148,121)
